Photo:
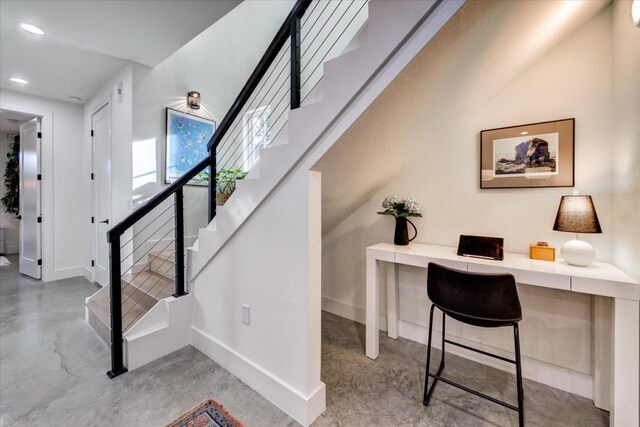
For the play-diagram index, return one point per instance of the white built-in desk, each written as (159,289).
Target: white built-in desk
(616,376)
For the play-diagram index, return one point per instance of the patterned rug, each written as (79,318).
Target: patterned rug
(208,414)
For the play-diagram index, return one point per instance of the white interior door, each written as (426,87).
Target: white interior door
(101,140)
(30,206)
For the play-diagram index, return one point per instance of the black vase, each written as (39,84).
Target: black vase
(402,232)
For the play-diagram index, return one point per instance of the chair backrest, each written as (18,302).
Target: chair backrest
(488,300)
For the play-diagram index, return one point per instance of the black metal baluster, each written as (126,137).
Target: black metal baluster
(295,63)
(117,362)
(179,217)
(212,183)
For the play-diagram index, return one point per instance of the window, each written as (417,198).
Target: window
(256,125)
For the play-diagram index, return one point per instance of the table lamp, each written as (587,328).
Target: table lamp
(576,214)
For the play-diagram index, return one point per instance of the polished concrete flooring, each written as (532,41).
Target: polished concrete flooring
(52,367)
(388,391)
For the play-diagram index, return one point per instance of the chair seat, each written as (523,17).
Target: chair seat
(483,322)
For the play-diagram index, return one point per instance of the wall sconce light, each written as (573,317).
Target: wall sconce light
(193,100)
(635,12)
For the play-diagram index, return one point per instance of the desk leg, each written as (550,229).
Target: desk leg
(372,308)
(393,317)
(626,372)
(602,351)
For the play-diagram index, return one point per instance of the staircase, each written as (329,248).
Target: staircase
(141,291)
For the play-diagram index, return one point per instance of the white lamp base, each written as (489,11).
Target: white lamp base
(578,252)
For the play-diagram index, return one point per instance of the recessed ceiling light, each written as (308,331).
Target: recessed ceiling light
(524,133)
(75,98)
(31,28)
(19,80)
(635,11)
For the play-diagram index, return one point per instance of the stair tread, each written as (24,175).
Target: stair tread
(150,282)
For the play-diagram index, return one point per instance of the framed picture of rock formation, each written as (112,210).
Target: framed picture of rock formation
(526,156)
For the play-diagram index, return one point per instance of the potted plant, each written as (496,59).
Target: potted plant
(401,209)
(226,183)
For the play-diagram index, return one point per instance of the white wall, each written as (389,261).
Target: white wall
(62,178)
(626,155)
(9,222)
(121,137)
(278,353)
(421,139)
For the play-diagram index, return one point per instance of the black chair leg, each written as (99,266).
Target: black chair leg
(429,391)
(427,395)
(443,338)
(516,337)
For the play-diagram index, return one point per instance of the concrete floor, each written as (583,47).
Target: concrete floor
(52,373)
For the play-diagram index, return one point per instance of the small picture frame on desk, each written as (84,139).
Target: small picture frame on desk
(528,156)
(542,252)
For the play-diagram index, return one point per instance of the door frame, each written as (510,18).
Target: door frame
(93,201)
(46,184)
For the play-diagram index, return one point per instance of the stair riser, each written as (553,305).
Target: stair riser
(103,331)
(166,268)
(144,299)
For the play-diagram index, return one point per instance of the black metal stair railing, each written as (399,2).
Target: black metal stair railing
(320,34)
(257,117)
(160,231)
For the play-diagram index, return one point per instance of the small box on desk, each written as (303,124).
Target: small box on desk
(543,253)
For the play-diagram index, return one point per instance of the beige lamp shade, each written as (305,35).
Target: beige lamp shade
(576,214)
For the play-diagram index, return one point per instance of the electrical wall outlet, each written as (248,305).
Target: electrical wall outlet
(246,314)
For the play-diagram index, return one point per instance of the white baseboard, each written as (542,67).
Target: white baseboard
(349,311)
(87,273)
(62,273)
(555,376)
(303,409)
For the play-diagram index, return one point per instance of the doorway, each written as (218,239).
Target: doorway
(21,207)
(101,174)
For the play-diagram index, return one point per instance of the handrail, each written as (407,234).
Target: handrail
(139,213)
(263,65)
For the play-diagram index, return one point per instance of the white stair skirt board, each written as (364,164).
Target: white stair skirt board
(393,34)
(561,378)
(303,409)
(162,330)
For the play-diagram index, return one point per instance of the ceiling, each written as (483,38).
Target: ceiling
(87,41)
(10,122)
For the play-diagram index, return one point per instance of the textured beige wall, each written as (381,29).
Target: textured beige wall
(494,64)
(626,157)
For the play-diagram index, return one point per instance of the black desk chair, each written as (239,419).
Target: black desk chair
(485,300)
